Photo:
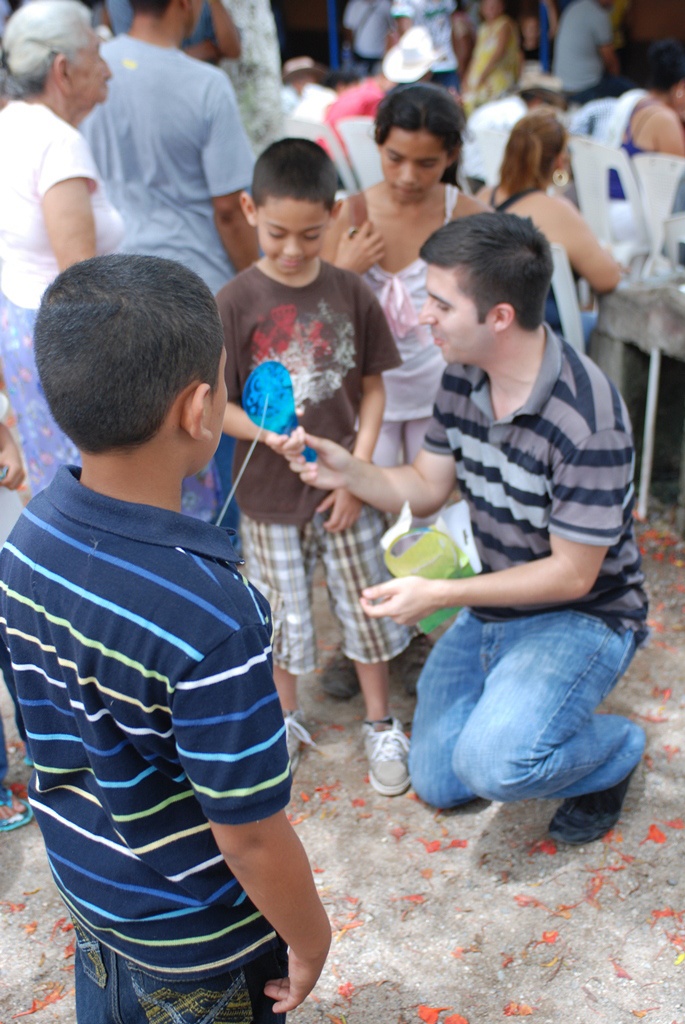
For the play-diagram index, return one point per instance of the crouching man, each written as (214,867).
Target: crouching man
(542,447)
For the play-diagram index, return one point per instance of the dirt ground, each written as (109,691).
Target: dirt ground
(463,917)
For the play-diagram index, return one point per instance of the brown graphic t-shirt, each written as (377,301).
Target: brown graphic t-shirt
(329,334)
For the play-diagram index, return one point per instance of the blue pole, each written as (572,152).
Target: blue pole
(544,37)
(333,44)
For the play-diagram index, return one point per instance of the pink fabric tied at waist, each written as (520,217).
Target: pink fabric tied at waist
(398,307)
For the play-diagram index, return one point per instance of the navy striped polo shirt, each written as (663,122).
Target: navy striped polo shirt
(562,464)
(142,661)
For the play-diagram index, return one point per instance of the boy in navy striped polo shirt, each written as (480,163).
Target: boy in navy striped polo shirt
(543,452)
(142,662)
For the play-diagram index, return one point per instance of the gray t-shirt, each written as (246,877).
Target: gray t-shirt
(583,28)
(168,139)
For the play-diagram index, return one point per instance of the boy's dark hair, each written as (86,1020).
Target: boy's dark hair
(295,169)
(666,63)
(117,338)
(500,258)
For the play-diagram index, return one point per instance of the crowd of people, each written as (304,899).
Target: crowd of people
(149,265)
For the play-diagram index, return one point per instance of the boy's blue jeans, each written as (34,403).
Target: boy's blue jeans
(506,711)
(112,990)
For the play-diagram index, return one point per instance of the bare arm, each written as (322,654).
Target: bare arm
(270,863)
(225,29)
(552,17)
(237,237)
(565,575)
(463,41)
(225,32)
(587,257)
(426,484)
(344,507)
(239,425)
(69,221)
(371,411)
(609,59)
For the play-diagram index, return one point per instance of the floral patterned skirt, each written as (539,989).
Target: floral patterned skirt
(45,446)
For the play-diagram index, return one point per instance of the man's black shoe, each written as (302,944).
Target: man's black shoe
(582,819)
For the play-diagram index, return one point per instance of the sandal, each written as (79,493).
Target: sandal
(19,818)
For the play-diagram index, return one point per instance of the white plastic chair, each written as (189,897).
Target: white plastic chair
(674,237)
(298,128)
(492,144)
(362,151)
(591,162)
(659,175)
(566,297)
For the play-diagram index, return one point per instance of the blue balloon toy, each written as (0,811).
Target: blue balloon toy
(269,401)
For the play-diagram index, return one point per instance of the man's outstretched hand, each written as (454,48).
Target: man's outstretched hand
(332,460)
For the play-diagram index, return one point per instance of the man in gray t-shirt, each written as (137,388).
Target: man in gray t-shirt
(171,148)
(584,55)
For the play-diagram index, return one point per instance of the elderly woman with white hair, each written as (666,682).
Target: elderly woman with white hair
(53,209)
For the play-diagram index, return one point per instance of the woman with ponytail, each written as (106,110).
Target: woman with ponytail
(536,158)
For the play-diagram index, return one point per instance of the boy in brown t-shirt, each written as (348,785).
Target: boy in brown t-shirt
(325,325)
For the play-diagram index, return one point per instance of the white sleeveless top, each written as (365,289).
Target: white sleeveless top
(410,388)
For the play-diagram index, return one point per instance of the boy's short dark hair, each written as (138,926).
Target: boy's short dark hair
(500,258)
(117,338)
(295,169)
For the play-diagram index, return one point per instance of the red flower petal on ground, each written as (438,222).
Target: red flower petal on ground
(430,1014)
(455,1018)
(431,847)
(517,1010)
(655,835)
(346,990)
(621,972)
(40,1004)
(550,937)
(528,901)
(543,846)
(675,823)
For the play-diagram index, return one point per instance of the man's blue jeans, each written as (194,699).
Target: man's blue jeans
(112,990)
(506,711)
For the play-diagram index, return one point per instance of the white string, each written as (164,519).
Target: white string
(247,458)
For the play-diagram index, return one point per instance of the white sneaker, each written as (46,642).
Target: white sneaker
(296,735)
(387,750)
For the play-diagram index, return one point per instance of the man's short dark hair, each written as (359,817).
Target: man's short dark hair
(154,7)
(295,169)
(499,258)
(117,338)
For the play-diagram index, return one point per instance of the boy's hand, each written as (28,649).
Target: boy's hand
(291,991)
(281,443)
(360,248)
(406,600)
(345,509)
(328,472)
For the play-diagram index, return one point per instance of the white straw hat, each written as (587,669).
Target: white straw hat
(412,57)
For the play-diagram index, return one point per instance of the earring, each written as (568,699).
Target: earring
(560,178)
